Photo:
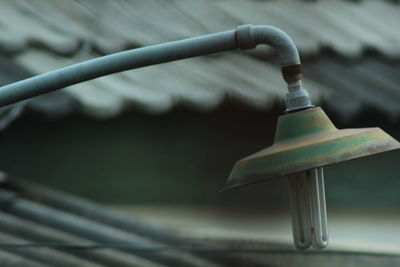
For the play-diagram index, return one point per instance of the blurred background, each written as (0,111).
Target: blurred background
(159,142)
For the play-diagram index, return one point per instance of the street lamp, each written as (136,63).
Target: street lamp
(305,141)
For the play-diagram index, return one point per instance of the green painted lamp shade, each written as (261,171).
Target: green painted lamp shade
(308,139)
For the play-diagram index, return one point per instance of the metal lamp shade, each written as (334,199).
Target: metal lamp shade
(308,139)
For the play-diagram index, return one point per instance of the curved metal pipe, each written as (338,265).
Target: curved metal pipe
(245,37)
(249,36)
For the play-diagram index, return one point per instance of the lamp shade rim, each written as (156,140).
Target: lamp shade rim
(284,158)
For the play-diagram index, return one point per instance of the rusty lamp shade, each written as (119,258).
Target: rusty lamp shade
(305,140)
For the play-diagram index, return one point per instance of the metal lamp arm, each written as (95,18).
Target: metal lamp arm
(244,37)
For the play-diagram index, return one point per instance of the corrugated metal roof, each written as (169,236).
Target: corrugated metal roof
(42,227)
(72,31)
